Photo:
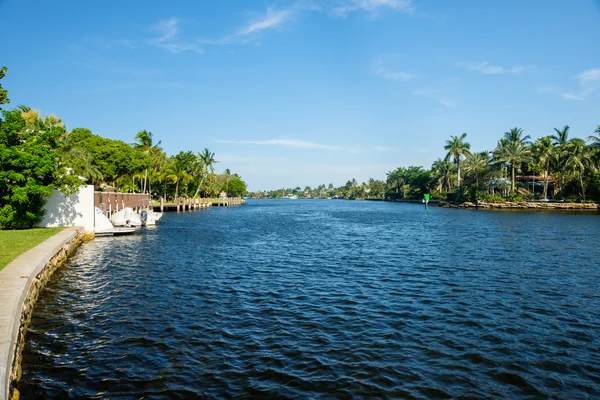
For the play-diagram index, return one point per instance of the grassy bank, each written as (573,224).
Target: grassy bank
(15,243)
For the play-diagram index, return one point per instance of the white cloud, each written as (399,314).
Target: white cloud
(589,83)
(591,75)
(169,40)
(272,19)
(381,70)
(384,149)
(434,95)
(291,143)
(348,6)
(490,69)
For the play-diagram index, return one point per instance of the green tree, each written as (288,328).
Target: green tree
(3,92)
(578,159)
(457,149)
(476,165)
(545,153)
(443,171)
(144,143)
(207,166)
(513,152)
(29,170)
(180,168)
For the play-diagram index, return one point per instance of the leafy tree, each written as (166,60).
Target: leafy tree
(514,153)
(206,166)
(144,143)
(29,169)
(579,158)
(457,149)
(477,165)
(443,171)
(546,154)
(3,92)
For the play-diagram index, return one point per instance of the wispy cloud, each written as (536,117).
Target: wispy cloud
(491,69)
(434,94)
(382,71)
(385,149)
(169,38)
(589,83)
(588,77)
(343,8)
(272,19)
(291,143)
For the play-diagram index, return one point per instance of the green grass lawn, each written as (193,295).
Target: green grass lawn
(15,243)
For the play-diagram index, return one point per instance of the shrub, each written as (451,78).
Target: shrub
(492,198)
(515,198)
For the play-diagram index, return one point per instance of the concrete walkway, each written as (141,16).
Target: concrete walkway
(15,280)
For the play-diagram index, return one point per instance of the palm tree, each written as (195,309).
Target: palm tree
(578,158)
(228,174)
(546,154)
(595,139)
(180,168)
(443,171)
(476,165)
(560,140)
(516,135)
(513,152)
(144,143)
(457,148)
(208,160)
(561,137)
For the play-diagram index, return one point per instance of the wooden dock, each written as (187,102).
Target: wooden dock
(185,204)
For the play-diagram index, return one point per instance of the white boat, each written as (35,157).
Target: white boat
(126,217)
(103,226)
(151,217)
(291,197)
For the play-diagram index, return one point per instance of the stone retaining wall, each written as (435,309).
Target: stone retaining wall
(21,283)
(525,205)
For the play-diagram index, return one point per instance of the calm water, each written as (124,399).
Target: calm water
(326,299)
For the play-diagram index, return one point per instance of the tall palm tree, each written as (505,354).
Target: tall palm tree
(546,154)
(561,136)
(144,143)
(208,161)
(516,135)
(457,148)
(513,152)
(578,158)
(476,165)
(443,171)
(228,174)
(560,140)
(595,139)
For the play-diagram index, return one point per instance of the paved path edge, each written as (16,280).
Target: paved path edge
(21,281)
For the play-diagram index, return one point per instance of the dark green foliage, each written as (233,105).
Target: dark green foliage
(235,187)
(29,169)
(3,92)
(595,187)
(112,158)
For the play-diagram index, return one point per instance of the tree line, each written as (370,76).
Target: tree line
(555,166)
(38,154)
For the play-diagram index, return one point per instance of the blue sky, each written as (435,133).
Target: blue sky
(305,92)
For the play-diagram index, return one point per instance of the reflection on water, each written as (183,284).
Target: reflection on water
(326,299)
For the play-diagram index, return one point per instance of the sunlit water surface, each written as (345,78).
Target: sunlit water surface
(326,299)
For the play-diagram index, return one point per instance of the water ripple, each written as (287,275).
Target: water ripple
(326,299)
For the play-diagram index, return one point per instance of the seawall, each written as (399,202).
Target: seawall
(524,205)
(21,282)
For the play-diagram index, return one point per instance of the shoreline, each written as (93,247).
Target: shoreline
(524,205)
(21,282)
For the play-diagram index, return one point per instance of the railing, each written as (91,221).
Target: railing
(111,202)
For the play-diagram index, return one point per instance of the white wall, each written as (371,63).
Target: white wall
(75,210)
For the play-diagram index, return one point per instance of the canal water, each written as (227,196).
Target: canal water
(326,299)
